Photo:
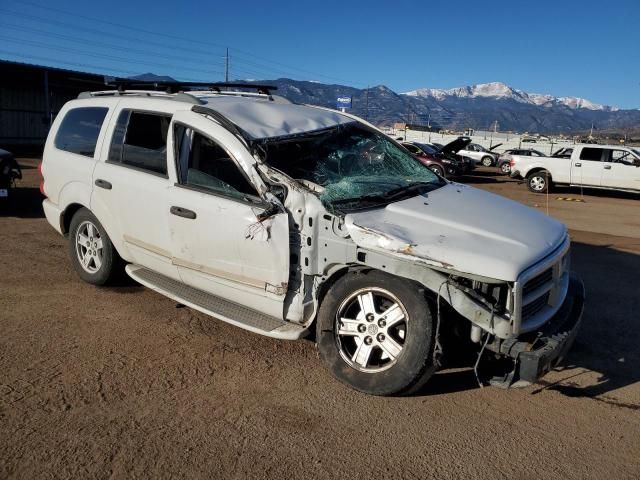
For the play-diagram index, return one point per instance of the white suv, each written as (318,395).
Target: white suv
(289,220)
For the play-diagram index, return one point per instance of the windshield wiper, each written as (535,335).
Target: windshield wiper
(412,187)
(374,198)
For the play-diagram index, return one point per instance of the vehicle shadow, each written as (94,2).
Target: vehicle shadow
(485,176)
(23,202)
(605,356)
(593,192)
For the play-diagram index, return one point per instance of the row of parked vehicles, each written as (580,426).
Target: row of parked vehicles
(610,167)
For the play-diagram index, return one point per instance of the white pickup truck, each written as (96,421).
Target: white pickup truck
(608,167)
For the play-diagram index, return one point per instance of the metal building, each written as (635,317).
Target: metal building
(30,98)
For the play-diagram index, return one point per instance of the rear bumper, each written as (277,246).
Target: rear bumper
(53,214)
(538,352)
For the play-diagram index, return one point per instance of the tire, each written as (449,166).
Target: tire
(438,170)
(93,255)
(357,357)
(539,182)
(505,168)
(487,161)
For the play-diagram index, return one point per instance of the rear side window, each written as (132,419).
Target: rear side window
(140,141)
(79,130)
(589,153)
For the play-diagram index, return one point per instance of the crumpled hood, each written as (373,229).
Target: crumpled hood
(460,228)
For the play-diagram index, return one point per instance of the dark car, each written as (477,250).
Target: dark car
(504,159)
(9,172)
(450,152)
(432,158)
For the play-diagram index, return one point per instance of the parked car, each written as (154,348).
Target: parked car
(610,167)
(504,159)
(431,158)
(479,154)
(9,172)
(450,151)
(286,219)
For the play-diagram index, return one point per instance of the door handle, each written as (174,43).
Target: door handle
(183,212)
(607,167)
(103,184)
(578,164)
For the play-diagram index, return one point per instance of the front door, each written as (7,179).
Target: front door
(220,244)
(621,170)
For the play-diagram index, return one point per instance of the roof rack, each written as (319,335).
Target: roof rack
(174,87)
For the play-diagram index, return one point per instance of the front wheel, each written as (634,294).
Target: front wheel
(93,255)
(487,161)
(375,332)
(538,182)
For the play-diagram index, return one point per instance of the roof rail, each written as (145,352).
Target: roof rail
(178,97)
(174,87)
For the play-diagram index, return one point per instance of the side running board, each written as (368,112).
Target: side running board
(217,307)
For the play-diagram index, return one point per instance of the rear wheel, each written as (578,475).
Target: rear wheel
(539,182)
(487,161)
(505,168)
(375,333)
(93,255)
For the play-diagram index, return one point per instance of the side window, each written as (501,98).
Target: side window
(411,148)
(621,156)
(140,140)
(79,130)
(590,153)
(205,164)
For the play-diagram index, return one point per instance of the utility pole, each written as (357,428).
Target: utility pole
(226,66)
(366,104)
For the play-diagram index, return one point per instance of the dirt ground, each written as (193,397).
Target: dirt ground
(123,383)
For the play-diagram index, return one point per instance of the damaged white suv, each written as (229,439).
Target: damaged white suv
(292,220)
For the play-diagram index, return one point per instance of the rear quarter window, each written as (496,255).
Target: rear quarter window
(79,130)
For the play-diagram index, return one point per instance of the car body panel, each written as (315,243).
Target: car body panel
(448,228)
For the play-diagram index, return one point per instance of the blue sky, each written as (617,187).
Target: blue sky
(579,48)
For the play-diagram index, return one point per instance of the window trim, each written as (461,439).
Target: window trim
(96,150)
(261,202)
(133,167)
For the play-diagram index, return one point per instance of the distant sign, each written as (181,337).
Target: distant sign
(343,102)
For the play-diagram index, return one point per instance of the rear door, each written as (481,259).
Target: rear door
(219,241)
(587,169)
(130,196)
(620,170)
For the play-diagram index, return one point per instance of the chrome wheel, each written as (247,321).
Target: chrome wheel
(371,329)
(537,183)
(487,161)
(89,247)
(505,168)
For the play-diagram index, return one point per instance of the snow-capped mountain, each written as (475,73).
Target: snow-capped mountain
(500,90)
(477,106)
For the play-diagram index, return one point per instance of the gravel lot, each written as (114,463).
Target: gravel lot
(122,382)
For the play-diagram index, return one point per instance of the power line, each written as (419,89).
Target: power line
(175,37)
(94,55)
(109,46)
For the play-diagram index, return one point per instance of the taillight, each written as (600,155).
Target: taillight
(41,179)
(512,162)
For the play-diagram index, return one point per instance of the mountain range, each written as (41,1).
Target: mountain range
(477,106)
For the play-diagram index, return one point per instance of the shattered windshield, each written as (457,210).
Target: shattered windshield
(351,166)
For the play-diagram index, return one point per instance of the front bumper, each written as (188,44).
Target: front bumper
(515,174)
(536,353)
